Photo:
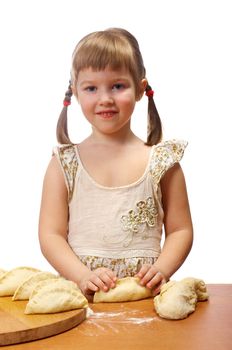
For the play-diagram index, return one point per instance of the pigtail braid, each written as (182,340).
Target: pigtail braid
(62,124)
(154,128)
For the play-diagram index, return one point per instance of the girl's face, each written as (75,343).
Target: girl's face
(107,98)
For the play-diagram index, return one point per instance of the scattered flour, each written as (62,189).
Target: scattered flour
(104,322)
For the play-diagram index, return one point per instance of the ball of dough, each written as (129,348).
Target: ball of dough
(178,299)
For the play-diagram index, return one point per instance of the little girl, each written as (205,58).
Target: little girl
(106,200)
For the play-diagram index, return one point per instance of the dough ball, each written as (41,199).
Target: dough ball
(178,299)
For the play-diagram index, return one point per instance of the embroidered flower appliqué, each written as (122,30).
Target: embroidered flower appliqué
(136,221)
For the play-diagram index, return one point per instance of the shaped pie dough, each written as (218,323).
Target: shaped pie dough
(178,299)
(2,272)
(127,289)
(55,295)
(25,289)
(9,281)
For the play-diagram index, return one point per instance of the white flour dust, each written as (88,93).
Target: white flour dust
(103,322)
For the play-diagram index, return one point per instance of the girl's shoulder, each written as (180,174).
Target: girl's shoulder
(164,155)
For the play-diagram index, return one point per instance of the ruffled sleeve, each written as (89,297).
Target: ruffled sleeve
(67,158)
(164,156)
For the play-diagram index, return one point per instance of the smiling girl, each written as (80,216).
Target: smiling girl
(106,200)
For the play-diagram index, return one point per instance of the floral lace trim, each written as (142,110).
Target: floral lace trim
(122,267)
(165,155)
(68,160)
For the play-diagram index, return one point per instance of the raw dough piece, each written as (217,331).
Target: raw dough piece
(58,281)
(2,272)
(55,295)
(127,289)
(178,299)
(25,289)
(10,280)
(198,285)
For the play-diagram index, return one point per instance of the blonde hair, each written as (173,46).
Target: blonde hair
(115,48)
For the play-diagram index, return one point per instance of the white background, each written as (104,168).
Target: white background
(186,47)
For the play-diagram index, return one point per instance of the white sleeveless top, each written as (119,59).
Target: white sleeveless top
(117,222)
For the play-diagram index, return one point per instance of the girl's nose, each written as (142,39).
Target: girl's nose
(105,98)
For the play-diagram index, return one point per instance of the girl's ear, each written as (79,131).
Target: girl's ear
(142,87)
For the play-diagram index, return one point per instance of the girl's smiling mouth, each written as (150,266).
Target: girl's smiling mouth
(107,114)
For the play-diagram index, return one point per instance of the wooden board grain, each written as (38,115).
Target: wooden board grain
(16,327)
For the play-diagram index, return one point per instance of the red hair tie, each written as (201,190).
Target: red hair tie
(66,103)
(68,95)
(149,93)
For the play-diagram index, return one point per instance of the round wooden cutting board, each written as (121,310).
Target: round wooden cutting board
(16,327)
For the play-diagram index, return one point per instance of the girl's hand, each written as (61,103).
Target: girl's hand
(151,278)
(99,279)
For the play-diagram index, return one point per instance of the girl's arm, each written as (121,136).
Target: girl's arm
(53,230)
(178,230)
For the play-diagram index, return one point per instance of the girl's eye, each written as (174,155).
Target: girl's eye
(118,86)
(91,88)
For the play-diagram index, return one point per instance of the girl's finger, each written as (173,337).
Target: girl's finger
(157,289)
(155,281)
(107,280)
(111,275)
(151,273)
(142,272)
(90,286)
(96,281)
(107,276)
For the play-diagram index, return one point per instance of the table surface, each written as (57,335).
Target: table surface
(135,325)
